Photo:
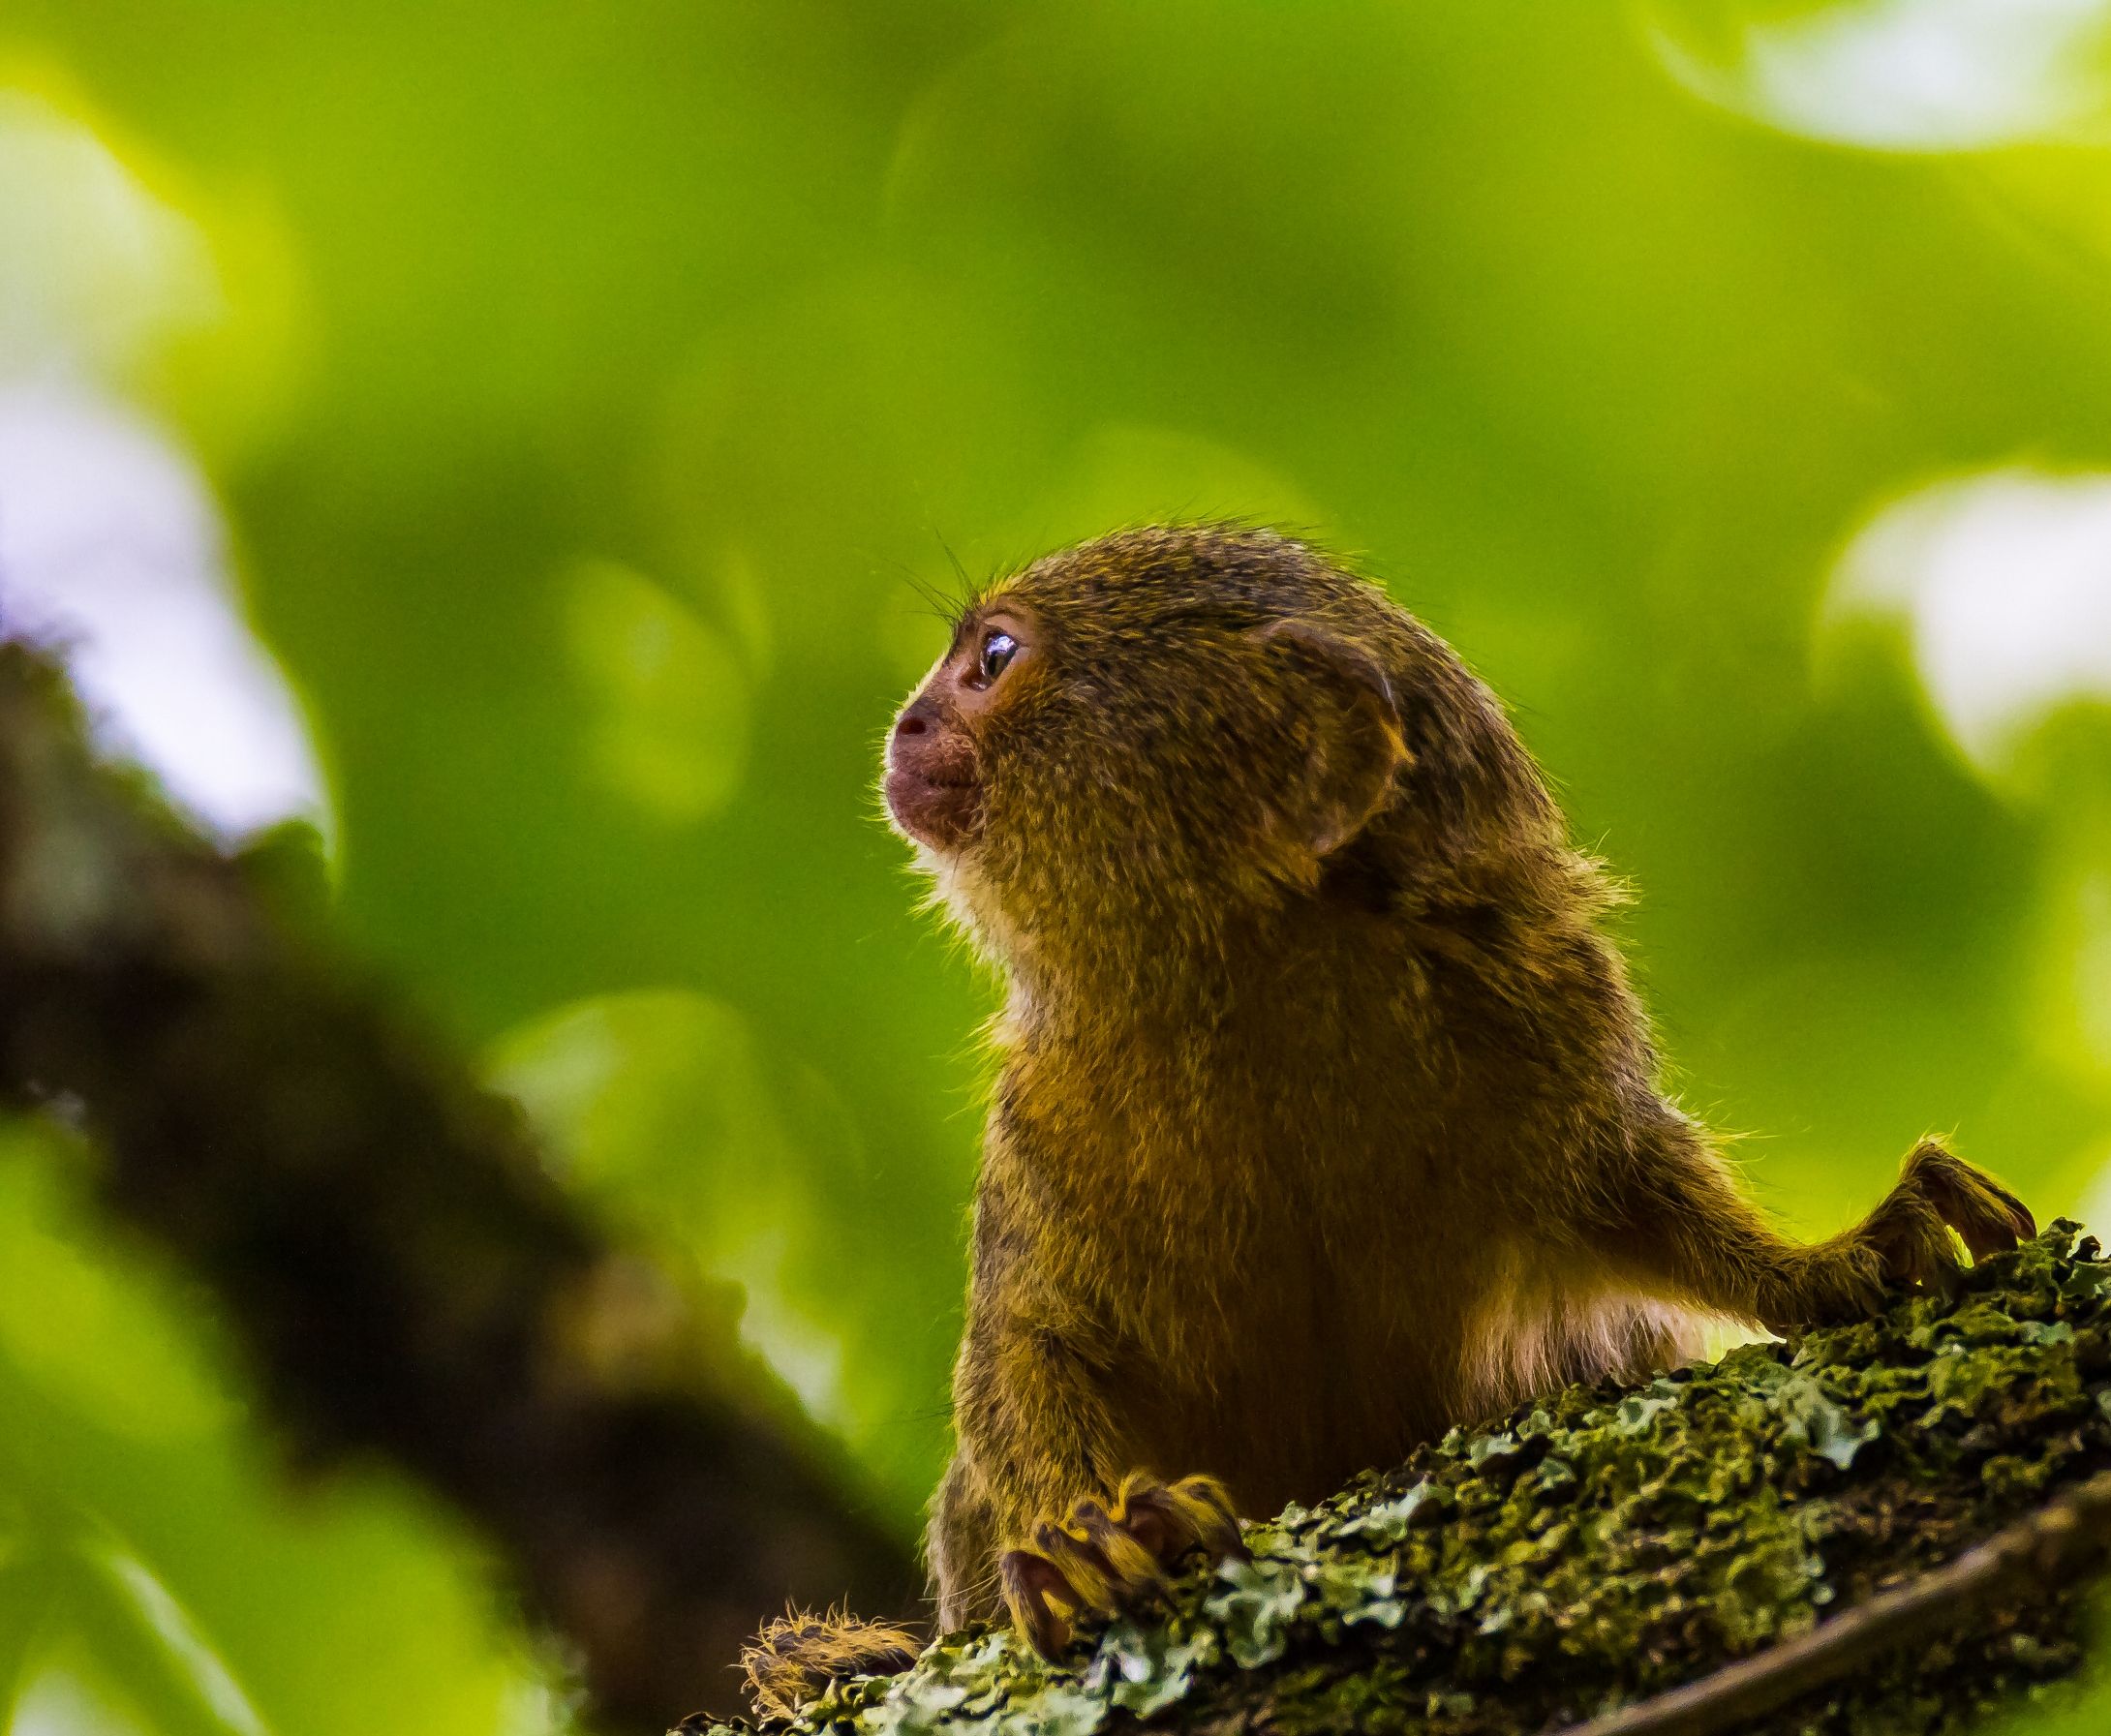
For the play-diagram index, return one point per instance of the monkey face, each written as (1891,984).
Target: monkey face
(935,770)
(1132,742)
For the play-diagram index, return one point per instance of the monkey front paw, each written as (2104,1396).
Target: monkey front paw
(1106,1560)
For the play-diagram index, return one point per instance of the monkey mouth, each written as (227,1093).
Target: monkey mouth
(944,812)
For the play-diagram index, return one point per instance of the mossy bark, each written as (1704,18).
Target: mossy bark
(1607,1544)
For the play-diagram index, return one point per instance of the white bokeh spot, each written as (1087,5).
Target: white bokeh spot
(2004,584)
(95,270)
(111,547)
(1897,75)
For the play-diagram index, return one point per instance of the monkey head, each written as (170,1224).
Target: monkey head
(1132,744)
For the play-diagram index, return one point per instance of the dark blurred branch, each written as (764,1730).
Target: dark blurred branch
(404,1279)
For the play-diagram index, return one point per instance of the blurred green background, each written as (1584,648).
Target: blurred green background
(520,438)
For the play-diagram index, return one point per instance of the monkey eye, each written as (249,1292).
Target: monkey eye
(997,650)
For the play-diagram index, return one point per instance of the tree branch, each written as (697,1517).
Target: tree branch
(1769,1529)
(2064,1541)
(404,1279)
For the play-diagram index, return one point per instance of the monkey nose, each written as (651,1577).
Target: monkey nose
(921,718)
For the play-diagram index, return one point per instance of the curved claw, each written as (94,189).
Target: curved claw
(1194,1513)
(1039,1597)
(1104,1561)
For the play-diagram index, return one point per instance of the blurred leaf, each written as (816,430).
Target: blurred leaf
(149,1649)
(658,1109)
(120,1430)
(672,733)
(80,1329)
(26,1595)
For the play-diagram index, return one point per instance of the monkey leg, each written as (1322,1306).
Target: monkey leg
(961,1546)
(1107,1559)
(1045,1406)
(1682,1222)
(797,1656)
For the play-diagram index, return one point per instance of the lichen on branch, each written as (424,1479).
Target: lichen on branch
(1604,1545)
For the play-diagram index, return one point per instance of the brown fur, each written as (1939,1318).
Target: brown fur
(798,1655)
(1325,1117)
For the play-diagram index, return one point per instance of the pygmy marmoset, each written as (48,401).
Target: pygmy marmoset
(1325,1116)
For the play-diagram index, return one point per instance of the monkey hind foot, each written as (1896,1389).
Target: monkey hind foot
(1103,1560)
(795,1657)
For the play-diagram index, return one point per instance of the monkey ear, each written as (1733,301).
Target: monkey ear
(1358,745)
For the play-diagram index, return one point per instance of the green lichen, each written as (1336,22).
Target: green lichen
(1605,1544)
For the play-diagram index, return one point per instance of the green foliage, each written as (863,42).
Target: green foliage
(592,393)
(154,1572)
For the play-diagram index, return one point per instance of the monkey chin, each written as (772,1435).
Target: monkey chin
(943,815)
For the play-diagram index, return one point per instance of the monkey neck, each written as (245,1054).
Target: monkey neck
(1205,1014)
(1313,1007)
(1117,980)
